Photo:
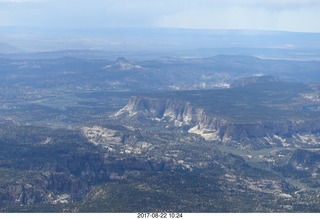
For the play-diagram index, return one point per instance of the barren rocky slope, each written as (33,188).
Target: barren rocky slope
(182,114)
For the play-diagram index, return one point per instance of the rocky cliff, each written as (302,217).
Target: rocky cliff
(213,128)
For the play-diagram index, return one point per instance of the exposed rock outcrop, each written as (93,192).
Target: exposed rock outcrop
(122,64)
(303,165)
(196,120)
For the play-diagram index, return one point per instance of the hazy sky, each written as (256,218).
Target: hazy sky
(292,15)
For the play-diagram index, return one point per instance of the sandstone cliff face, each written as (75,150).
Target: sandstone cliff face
(196,120)
(179,112)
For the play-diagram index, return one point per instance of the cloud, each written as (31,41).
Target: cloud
(248,14)
(20,1)
(231,18)
(5,20)
(291,15)
(272,4)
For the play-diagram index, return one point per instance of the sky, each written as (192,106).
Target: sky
(284,15)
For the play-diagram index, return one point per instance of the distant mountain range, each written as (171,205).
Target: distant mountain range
(165,41)
(6,48)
